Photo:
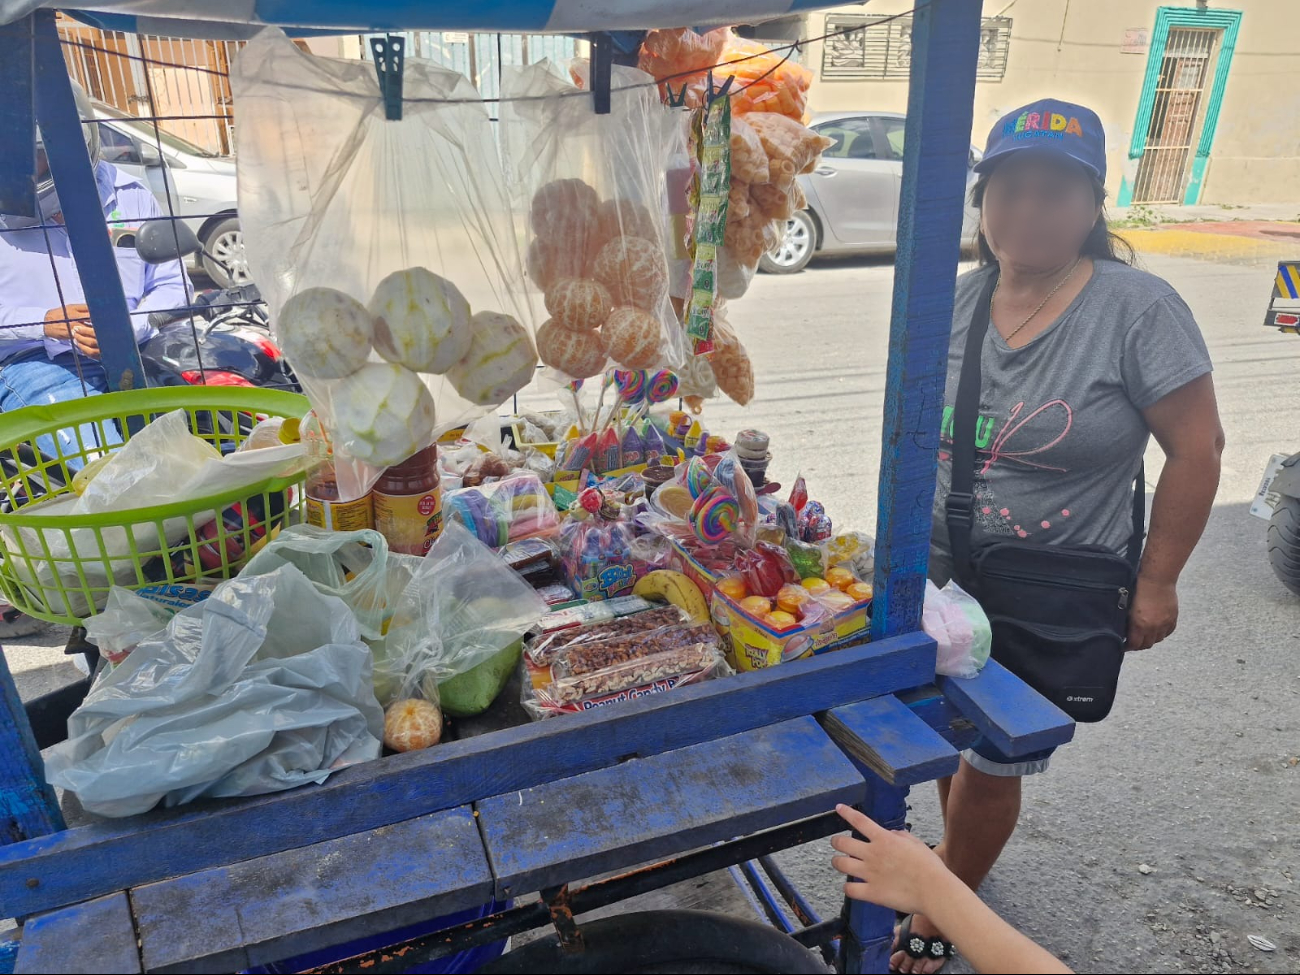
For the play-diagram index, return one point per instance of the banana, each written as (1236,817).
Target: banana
(673,587)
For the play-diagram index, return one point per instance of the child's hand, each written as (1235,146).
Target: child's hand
(893,868)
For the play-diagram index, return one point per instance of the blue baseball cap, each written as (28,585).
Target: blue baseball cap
(1051,126)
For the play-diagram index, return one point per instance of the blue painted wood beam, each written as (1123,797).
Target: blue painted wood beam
(936,152)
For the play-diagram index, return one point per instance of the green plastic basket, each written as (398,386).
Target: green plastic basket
(60,568)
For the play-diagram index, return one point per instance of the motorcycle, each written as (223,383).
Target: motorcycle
(222,339)
(1278,499)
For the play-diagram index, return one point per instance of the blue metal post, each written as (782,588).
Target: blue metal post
(18,148)
(83,212)
(945,42)
(28,807)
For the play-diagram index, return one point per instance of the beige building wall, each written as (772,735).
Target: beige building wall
(1077,51)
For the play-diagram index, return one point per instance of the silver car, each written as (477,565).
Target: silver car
(202,187)
(853,193)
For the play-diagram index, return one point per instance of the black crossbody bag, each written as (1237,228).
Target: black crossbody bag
(1059,613)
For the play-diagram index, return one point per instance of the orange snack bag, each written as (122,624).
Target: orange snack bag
(792,148)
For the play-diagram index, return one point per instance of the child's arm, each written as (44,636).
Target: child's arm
(897,870)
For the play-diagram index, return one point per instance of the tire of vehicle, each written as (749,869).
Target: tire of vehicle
(226,243)
(1284,542)
(796,248)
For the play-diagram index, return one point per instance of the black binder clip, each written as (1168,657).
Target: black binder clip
(389,55)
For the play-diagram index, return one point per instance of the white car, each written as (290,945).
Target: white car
(202,187)
(853,193)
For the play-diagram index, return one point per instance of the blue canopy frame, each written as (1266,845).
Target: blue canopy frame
(61,876)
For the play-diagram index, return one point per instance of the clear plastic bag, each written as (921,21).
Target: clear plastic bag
(386,249)
(593,190)
(504,511)
(462,607)
(956,622)
(127,619)
(263,686)
(354,566)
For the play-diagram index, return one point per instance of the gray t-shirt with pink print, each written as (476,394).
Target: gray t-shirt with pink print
(1061,433)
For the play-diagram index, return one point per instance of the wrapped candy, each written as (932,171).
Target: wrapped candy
(609,456)
(633,447)
(765,569)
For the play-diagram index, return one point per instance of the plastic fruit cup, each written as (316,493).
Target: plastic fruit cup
(860,591)
(791,598)
(733,587)
(835,600)
(758,606)
(840,578)
(816,586)
(779,619)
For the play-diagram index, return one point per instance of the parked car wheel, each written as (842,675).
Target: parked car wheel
(1284,542)
(226,244)
(796,248)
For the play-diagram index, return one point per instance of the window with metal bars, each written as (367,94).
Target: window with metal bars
(884,52)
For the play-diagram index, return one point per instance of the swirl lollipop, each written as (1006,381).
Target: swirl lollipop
(663,387)
(631,385)
(714,515)
(698,478)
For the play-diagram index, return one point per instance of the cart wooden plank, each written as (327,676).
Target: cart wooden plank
(1007,711)
(229,918)
(89,861)
(656,807)
(885,736)
(93,937)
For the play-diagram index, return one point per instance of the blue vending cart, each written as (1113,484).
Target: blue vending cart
(714,775)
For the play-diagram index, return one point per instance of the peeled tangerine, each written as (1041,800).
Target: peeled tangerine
(500,361)
(550,262)
(634,270)
(324,333)
(410,724)
(561,206)
(619,218)
(383,413)
(580,355)
(579,303)
(632,338)
(421,320)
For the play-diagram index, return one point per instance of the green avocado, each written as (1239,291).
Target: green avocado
(474,691)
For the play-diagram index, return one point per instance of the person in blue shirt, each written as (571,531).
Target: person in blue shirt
(49,350)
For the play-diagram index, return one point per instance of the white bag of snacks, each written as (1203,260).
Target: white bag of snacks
(386,249)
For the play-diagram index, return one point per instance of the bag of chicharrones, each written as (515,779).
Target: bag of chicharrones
(385,248)
(591,190)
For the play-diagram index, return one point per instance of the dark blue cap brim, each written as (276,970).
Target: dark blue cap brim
(1042,149)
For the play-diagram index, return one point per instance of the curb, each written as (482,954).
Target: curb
(1214,247)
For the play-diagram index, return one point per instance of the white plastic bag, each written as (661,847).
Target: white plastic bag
(592,189)
(263,686)
(463,607)
(127,619)
(334,199)
(957,623)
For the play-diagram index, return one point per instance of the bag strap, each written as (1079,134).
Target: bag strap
(960,508)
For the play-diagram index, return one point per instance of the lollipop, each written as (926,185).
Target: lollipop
(698,478)
(631,384)
(663,387)
(714,515)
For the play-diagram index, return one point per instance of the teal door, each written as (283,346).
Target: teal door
(1187,72)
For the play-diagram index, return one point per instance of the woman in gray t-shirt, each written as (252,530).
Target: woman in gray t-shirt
(1086,357)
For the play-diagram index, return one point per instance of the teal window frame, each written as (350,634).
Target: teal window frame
(1229,21)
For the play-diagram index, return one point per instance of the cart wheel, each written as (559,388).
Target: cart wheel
(640,944)
(1284,542)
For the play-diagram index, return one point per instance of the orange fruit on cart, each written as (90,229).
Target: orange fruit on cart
(632,338)
(635,272)
(580,355)
(579,303)
(412,724)
(733,587)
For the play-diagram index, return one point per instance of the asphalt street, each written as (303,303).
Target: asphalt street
(1162,838)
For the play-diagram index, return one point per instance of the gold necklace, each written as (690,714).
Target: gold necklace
(1041,305)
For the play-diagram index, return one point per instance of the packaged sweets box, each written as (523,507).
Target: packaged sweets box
(752,643)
